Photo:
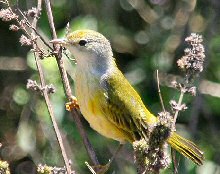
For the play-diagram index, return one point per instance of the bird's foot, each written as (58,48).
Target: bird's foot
(72,104)
(102,169)
(98,169)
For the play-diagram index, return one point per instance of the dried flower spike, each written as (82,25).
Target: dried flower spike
(192,90)
(50,89)
(32,12)
(193,60)
(25,41)
(166,119)
(150,159)
(13,27)
(176,107)
(32,84)
(7,15)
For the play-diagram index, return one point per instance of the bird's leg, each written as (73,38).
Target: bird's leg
(115,154)
(72,104)
(101,169)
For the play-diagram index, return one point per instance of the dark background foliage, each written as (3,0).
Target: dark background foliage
(145,36)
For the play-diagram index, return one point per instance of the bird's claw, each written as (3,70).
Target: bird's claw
(99,169)
(72,104)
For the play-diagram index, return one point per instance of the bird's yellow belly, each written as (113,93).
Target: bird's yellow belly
(89,96)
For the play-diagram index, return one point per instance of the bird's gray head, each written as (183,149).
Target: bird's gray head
(81,42)
(89,48)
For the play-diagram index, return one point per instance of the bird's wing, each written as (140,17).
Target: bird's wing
(123,106)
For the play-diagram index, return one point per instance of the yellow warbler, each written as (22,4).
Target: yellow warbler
(107,100)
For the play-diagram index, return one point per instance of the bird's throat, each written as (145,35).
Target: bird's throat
(96,67)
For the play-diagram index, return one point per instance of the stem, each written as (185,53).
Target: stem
(46,97)
(173,155)
(159,92)
(32,35)
(178,104)
(52,116)
(173,151)
(33,28)
(75,114)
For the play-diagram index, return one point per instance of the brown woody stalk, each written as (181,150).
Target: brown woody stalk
(46,96)
(31,39)
(75,114)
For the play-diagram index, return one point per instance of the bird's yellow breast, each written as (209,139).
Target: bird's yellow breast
(90,95)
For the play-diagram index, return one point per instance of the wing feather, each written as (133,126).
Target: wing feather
(124,107)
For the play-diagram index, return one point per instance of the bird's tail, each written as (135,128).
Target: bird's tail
(186,148)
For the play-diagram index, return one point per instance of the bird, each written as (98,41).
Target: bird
(107,100)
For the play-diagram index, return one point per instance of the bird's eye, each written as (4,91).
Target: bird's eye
(82,42)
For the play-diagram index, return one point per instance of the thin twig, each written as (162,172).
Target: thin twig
(49,106)
(173,151)
(33,28)
(174,161)
(159,92)
(75,114)
(32,35)
(177,110)
(90,168)
(51,112)
(17,20)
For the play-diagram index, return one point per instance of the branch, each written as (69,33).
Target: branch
(75,113)
(34,29)
(159,92)
(24,24)
(45,92)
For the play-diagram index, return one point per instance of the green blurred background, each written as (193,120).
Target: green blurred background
(145,36)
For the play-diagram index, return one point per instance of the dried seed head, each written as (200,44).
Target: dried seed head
(32,84)
(174,83)
(13,27)
(194,39)
(25,41)
(150,159)
(192,90)
(166,119)
(32,12)
(176,107)
(50,89)
(22,24)
(194,56)
(7,15)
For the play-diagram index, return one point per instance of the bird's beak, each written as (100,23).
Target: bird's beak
(62,42)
